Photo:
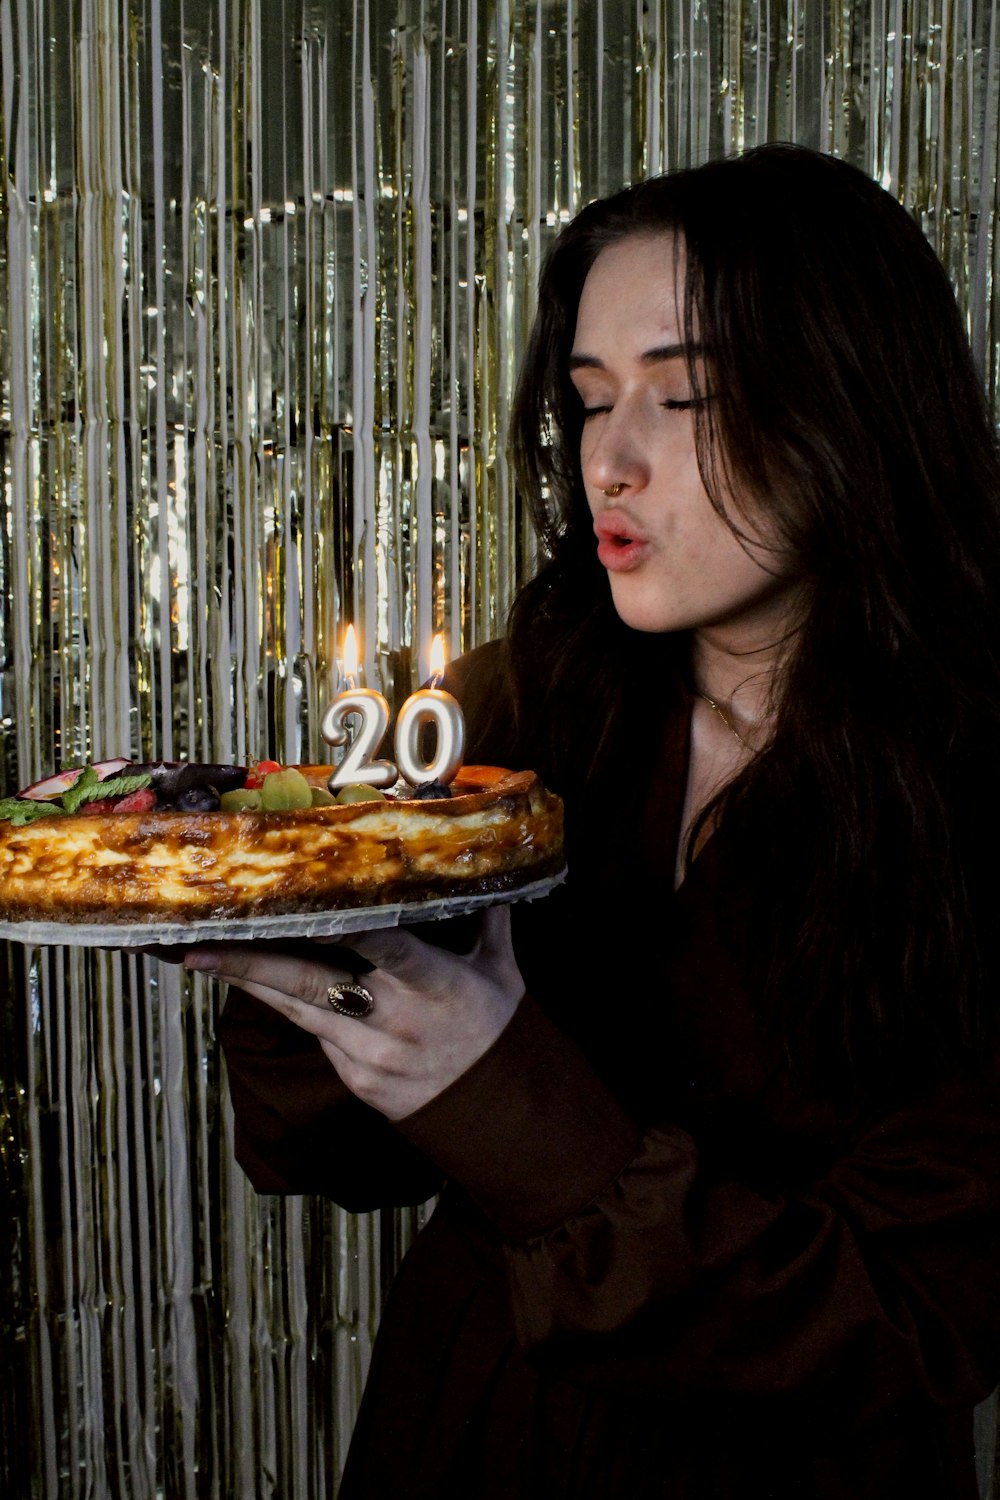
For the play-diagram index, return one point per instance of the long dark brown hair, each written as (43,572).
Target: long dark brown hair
(845,401)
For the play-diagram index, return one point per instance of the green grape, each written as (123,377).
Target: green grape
(357,791)
(243,799)
(285,791)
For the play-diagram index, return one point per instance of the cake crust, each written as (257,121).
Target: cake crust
(499,830)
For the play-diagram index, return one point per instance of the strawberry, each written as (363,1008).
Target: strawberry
(143,800)
(94,809)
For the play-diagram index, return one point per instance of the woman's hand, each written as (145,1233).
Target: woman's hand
(435,1012)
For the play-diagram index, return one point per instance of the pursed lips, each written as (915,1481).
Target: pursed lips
(621,543)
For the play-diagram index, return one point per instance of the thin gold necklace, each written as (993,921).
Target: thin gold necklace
(725,719)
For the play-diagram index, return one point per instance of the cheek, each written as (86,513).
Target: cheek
(743,576)
(588,442)
(703,547)
(695,518)
(676,480)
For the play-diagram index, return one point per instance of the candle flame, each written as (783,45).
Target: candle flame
(437,660)
(351,657)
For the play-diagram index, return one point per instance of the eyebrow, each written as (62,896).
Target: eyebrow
(656,356)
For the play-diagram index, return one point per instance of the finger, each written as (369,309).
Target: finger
(167,953)
(319,1020)
(393,950)
(339,951)
(246,965)
(495,943)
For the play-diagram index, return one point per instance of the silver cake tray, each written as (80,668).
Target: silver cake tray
(305,924)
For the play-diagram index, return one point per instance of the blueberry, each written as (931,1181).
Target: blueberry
(431,789)
(172,777)
(198,799)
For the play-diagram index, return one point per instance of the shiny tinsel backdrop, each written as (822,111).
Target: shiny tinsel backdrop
(265,273)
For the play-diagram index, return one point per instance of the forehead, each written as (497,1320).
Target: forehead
(636,284)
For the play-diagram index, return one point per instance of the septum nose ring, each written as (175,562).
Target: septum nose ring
(614,491)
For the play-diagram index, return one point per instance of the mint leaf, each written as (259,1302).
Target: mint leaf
(87,788)
(115,786)
(83,790)
(20,810)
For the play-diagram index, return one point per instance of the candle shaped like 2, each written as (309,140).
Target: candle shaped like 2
(430,706)
(357,763)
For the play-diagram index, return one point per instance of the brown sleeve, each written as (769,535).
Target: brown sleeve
(299,1130)
(627,1255)
(529,1131)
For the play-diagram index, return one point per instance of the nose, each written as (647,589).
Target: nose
(612,452)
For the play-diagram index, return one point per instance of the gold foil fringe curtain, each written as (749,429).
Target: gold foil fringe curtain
(266,270)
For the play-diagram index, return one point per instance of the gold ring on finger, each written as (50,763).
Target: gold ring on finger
(351,1000)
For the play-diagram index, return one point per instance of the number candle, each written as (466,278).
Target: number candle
(430,706)
(356,764)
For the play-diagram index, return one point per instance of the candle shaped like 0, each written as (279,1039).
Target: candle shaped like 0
(430,706)
(357,763)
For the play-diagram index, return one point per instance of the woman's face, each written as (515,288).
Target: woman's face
(672,561)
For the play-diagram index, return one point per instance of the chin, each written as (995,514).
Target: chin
(646,615)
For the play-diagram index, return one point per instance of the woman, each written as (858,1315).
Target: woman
(718,1134)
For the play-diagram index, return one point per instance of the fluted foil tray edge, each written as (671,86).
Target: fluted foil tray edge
(304,924)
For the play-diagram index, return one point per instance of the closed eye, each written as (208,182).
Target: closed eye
(671,404)
(692,401)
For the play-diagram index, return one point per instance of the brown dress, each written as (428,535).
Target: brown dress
(655,1269)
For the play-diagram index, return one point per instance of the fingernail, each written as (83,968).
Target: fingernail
(205,963)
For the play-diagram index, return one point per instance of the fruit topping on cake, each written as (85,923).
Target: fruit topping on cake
(56,787)
(123,786)
(85,789)
(123,841)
